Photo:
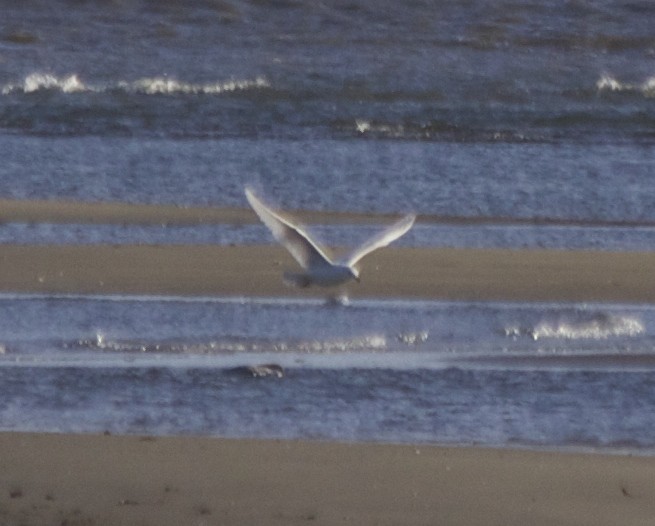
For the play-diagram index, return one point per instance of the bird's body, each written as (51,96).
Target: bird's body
(323,276)
(319,268)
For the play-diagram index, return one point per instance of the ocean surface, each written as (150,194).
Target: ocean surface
(532,122)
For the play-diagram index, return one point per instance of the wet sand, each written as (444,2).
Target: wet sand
(89,480)
(433,273)
(449,274)
(68,479)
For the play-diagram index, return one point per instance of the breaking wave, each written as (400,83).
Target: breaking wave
(608,83)
(36,82)
(433,129)
(599,327)
(373,342)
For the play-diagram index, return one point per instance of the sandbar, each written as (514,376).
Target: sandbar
(411,273)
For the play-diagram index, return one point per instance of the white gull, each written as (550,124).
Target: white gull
(319,268)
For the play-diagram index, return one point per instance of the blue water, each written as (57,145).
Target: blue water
(532,119)
(393,370)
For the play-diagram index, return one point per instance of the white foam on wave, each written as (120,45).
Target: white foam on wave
(365,127)
(150,86)
(167,86)
(413,338)
(599,328)
(100,341)
(610,83)
(373,342)
(43,81)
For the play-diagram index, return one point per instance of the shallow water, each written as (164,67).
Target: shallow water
(606,238)
(500,374)
(596,183)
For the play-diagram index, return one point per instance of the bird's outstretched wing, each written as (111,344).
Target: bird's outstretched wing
(380,240)
(304,250)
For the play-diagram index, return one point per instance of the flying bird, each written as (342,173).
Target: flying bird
(319,268)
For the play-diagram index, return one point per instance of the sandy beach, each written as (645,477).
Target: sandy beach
(89,480)
(64,479)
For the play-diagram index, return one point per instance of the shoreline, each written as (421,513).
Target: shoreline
(77,212)
(96,479)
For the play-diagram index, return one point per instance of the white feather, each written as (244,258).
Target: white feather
(319,267)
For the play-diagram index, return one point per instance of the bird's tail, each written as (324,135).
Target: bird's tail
(296,280)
